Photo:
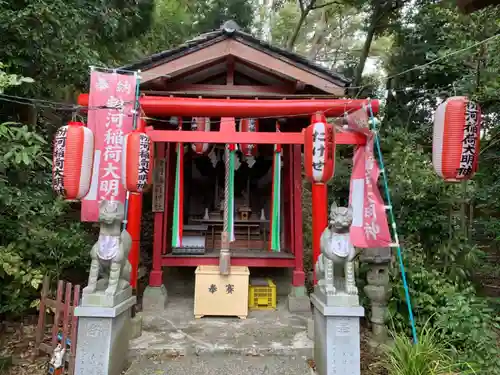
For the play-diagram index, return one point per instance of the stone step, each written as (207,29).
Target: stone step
(221,365)
(174,331)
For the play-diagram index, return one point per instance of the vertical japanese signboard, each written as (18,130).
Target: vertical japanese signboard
(159,185)
(116,94)
(369,227)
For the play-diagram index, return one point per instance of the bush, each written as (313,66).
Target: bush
(452,308)
(430,356)
(439,260)
(39,235)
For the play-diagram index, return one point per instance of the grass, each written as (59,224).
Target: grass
(430,356)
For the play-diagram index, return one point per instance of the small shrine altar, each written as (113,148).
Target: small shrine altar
(222,129)
(227,114)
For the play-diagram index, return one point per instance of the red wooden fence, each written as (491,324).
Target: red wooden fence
(65,325)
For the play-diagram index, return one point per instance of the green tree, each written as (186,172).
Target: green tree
(39,234)
(446,228)
(210,15)
(171,25)
(56,41)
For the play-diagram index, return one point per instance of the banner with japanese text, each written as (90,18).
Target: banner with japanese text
(369,227)
(116,93)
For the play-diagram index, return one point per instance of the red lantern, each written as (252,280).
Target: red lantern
(319,150)
(137,161)
(455,144)
(201,124)
(249,125)
(72,161)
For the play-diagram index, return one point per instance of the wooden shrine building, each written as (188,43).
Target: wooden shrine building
(210,76)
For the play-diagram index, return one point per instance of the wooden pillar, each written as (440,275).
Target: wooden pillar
(134,229)
(319,220)
(170,165)
(188,187)
(297,243)
(156,274)
(288,197)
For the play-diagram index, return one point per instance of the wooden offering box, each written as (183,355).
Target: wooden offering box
(244,212)
(219,295)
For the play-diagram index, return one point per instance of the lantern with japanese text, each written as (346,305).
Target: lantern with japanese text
(455,145)
(249,125)
(201,124)
(319,164)
(137,161)
(72,160)
(319,150)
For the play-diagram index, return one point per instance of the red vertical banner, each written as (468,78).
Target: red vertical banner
(115,93)
(369,227)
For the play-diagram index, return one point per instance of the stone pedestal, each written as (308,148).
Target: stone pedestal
(103,338)
(340,299)
(310,328)
(298,300)
(101,299)
(154,299)
(336,337)
(136,326)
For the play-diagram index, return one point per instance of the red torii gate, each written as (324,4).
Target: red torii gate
(175,106)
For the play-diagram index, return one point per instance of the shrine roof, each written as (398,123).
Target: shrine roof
(230,30)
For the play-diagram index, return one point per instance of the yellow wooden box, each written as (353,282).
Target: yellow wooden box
(220,295)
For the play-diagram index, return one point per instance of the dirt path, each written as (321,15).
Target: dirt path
(17,347)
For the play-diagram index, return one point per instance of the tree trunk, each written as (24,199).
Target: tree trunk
(390,100)
(267,21)
(319,35)
(364,52)
(295,35)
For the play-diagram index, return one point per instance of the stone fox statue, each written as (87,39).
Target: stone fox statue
(336,249)
(110,253)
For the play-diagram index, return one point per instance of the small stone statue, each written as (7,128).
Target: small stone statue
(250,161)
(57,359)
(336,249)
(110,252)
(378,290)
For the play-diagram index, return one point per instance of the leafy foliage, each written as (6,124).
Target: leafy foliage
(448,232)
(457,315)
(210,15)
(171,25)
(36,238)
(440,261)
(430,356)
(55,40)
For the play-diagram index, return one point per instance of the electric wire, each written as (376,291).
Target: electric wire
(67,106)
(429,63)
